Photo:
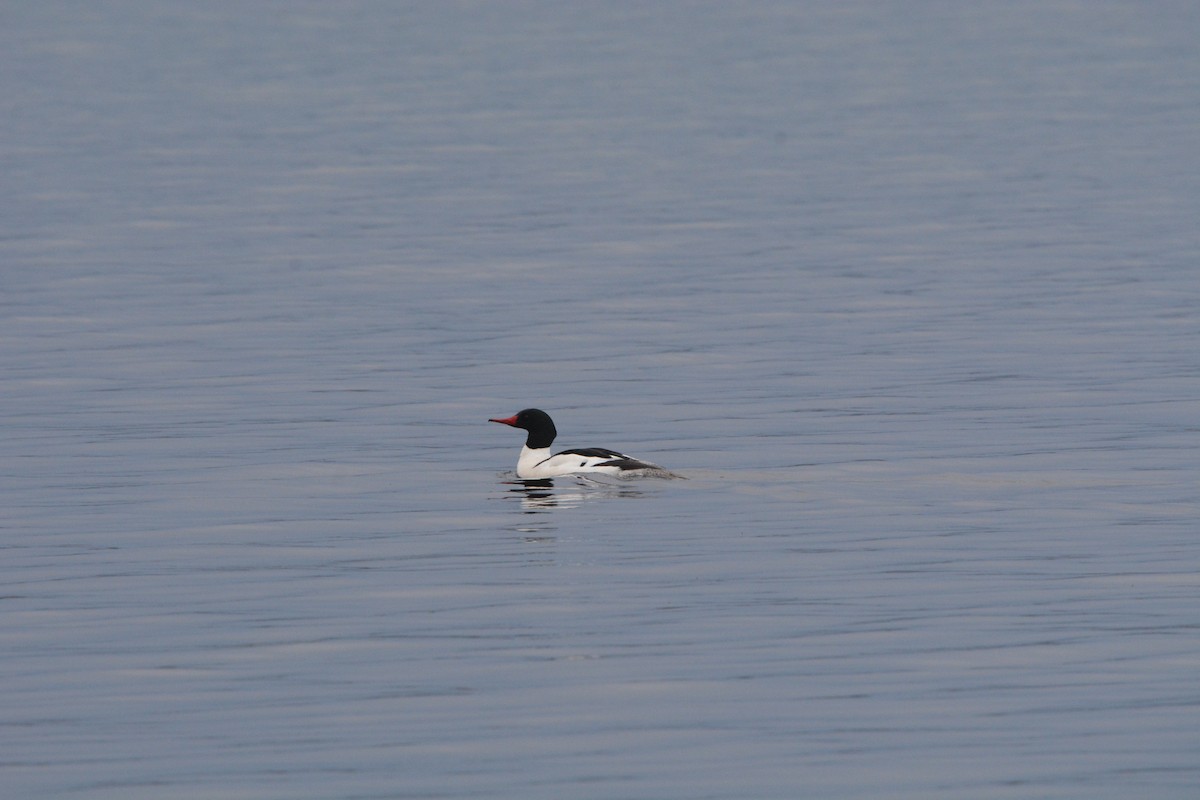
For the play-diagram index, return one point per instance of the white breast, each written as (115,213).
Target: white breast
(541,463)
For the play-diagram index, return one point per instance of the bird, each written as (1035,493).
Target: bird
(536,460)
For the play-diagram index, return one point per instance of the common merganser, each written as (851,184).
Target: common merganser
(536,461)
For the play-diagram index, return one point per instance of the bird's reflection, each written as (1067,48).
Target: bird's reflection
(543,494)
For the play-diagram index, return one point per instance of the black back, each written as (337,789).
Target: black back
(592,452)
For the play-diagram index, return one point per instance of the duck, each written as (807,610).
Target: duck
(537,462)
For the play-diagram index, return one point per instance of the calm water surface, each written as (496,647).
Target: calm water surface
(908,291)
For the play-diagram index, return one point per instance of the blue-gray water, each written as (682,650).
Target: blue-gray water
(910,291)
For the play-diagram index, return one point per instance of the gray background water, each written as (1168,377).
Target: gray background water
(909,290)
